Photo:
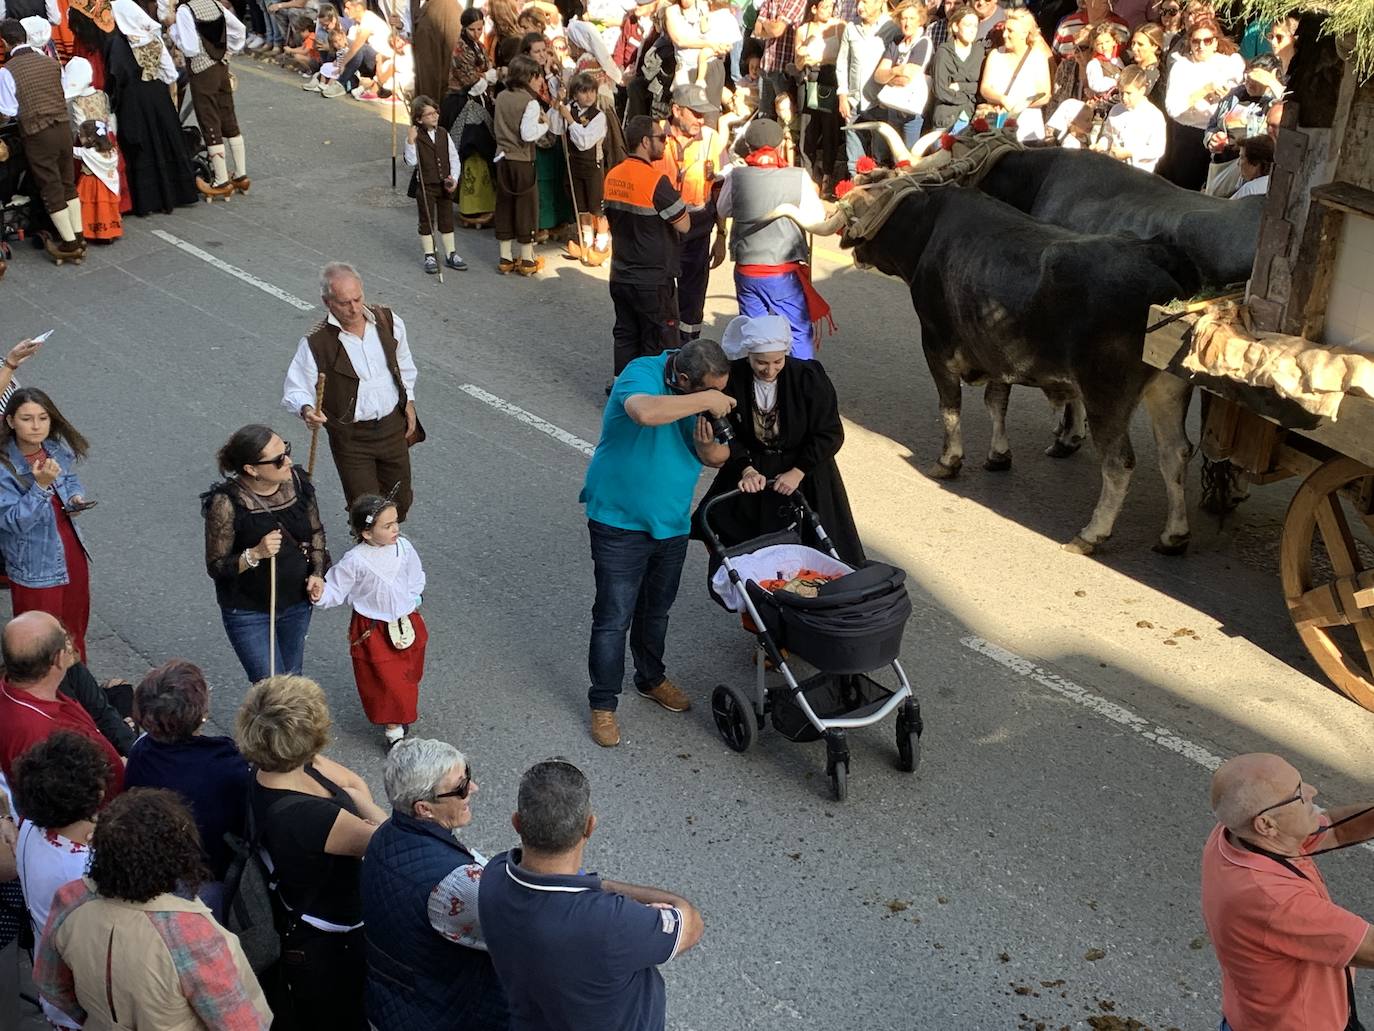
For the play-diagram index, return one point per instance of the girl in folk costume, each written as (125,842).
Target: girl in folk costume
(382,579)
(86,103)
(587,167)
(519,120)
(206,33)
(465,112)
(97,182)
(430,151)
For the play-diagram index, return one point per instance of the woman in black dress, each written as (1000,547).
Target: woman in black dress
(787,431)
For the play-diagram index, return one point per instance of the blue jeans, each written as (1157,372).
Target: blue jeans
(636,583)
(247,632)
(854,141)
(908,125)
(365,61)
(273,31)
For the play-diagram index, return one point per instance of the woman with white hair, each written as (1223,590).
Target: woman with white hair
(427,962)
(787,433)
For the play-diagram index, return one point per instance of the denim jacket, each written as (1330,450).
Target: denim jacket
(28,526)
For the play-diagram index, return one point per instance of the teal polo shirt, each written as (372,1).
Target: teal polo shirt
(643,477)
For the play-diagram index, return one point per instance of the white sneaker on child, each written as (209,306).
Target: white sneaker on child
(334,89)
(313,85)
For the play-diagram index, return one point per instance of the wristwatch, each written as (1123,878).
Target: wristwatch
(249,560)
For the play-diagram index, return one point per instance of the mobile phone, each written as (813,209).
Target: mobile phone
(81,506)
(42,336)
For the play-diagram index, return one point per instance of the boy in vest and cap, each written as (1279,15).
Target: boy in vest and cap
(772,270)
(587,167)
(207,33)
(31,89)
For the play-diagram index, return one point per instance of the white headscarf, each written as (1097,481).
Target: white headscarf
(77,79)
(39,31)
(586,38)
(757,334)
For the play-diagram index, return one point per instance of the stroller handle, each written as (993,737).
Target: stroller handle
(795,499)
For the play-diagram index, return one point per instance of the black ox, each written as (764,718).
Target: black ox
(1005,299)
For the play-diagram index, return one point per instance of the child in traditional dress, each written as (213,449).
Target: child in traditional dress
(431,152)
(97,182)
(587,165)
(382,579)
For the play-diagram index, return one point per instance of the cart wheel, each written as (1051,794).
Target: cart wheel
(839,780)
(1335,618)
(734,716)
(909,727)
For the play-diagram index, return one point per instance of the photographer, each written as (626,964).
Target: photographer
(655,437)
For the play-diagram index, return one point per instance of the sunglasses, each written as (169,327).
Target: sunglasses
(281,459)
(1083,49)
(461,791)
(1296,797)
(1199,41)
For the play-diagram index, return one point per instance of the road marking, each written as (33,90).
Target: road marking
(1162,736)
(234,271)
(529,419)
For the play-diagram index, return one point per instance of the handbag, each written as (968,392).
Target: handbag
(401,633)
(249,890)
(909,99)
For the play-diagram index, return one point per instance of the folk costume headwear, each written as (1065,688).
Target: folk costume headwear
(586,38)
(756,334)
(77,79)
(39,31)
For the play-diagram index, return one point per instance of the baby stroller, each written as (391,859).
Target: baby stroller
(16,189)
(851,628)
(192,139)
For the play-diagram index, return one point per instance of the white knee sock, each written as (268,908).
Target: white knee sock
(588,235)
(507,249)
(63,223)
(74,214)
(449,247)
(236,155)
(603,241)
(427,242)
(527,252)
(217,163)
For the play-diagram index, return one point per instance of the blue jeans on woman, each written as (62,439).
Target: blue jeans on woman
(272,31)
(365,61)
(247,632)
(636,584)
(909,126)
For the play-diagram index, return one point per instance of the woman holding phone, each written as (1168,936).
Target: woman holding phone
(39,494)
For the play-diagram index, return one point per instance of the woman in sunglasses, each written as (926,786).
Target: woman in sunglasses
(263,517)
(1198,80)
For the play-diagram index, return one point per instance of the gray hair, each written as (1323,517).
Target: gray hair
(701,358)
(554,803)
(414,768)
(335,270)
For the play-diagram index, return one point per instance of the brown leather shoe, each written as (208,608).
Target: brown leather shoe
(531,268)
(668,695)
(605,730)
(506,266)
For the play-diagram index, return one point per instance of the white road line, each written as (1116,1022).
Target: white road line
(234,271)
(529,419)
(1162,736)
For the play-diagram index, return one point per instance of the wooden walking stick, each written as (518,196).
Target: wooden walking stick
(315,430)
(272,618)
(393,135)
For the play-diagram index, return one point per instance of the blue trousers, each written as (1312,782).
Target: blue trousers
(779,295)
(636,584)
(909,126)
(365,61)
(247,632)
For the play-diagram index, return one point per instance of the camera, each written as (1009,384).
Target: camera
(724,432)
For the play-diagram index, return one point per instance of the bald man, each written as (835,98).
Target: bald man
(1284,947)
(37,652)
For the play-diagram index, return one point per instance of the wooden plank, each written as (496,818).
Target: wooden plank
(1345,197)
(1313,266)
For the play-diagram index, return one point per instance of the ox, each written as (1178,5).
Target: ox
(1005,299)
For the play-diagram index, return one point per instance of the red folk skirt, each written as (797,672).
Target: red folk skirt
(99,208)
(69,602)
(388,680)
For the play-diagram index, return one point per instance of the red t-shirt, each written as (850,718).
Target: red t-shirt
(26,719)
(1283,945)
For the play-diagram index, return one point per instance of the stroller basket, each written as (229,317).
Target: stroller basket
(830,697)
(853,625)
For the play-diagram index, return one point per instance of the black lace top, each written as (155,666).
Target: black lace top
(234,522)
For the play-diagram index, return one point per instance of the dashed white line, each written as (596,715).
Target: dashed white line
(529,419)
(234,271)
(1162,736)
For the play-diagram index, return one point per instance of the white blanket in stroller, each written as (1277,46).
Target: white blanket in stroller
(776,562)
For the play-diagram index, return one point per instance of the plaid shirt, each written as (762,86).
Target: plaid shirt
(780,52)
(209,979)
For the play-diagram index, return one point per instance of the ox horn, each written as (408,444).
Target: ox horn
(890,135)
(926,144)
(829,226)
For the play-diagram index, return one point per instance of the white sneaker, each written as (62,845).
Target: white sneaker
(334,89)
(313,85)
(253,42)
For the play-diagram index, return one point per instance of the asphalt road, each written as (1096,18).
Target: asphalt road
(1042,864)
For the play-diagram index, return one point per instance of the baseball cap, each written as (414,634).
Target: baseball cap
(694,98)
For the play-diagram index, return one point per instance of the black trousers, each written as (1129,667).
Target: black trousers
(645,321)
(320,980)
(691,283)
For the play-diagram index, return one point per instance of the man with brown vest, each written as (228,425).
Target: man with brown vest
(368,408)
(31,88)
(207,33)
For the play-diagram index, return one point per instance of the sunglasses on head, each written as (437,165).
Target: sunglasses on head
(280,460)
(461,791)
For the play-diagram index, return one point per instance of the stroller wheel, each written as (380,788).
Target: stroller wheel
(734,716)
(839,780)
(837,763)
(909,727)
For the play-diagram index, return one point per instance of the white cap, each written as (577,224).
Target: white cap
(38,29)
(756,334)
(77,79)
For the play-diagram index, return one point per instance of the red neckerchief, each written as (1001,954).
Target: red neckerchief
(764,157)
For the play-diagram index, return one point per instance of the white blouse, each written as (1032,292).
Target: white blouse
(380,583)
(1186,77)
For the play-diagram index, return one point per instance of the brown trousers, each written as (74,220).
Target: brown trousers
(372,457)
(430,198)
(49,153)
(517,201)
(213,102)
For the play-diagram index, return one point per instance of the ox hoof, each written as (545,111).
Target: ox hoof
(998,463)
(1078,546)
(1060,449)
(1178,546)
(941,471)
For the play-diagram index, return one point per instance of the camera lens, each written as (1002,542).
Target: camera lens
(723,430)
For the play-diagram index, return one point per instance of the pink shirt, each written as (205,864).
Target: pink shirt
(1283,945)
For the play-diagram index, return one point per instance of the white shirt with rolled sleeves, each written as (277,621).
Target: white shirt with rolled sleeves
(408,154)
(187,39)
(377,396)
(380,583)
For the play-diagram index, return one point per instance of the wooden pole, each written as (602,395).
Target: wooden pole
(393,133)
(272,618)
(315,430)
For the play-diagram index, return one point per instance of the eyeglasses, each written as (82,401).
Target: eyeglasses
(1083,49)
(1199,41)
(1296,797)
(280,460)
(461,791)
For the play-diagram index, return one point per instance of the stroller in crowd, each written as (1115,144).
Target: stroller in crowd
(851,627)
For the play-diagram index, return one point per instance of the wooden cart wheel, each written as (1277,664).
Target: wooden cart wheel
(1335,619)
